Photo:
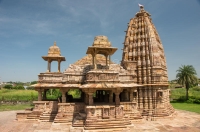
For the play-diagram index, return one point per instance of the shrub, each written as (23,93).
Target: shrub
(30,88)
(19,87)
(191,99)
(196,88)
(8,86)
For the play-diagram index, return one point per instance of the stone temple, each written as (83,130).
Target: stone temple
(112,95)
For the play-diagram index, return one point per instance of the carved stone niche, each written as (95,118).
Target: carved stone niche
(159,94)
(119,111)
(90,111)
(106,112)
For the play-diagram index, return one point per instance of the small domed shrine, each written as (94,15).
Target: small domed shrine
(53,55)
(112,96)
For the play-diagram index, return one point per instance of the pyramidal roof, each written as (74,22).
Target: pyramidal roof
(142,45)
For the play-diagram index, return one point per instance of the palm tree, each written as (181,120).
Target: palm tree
(186,76)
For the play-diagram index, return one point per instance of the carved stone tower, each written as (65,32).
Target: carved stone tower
(143,46)
(143,51)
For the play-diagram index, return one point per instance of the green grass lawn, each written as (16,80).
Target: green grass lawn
(187,107)
(5,107)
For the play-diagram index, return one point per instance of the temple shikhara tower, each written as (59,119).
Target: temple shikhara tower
(143,53)
(112,96)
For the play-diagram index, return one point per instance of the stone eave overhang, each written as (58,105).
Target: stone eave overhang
(54,58)
(156,84)
(109,85)
(47,85)
(101,50)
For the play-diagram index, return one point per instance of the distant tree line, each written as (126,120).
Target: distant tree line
(19,85)
(10,86)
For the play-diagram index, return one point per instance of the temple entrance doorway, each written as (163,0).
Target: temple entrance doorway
(103,96)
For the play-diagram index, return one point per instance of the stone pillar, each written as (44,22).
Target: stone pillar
(64,98)
(136,98)
(95,65)
(93,61)
(150,97)
(109,60)
(90,98)
(48,66)
(86,98)
(59,65)
(117,99)
(145,99)
(39,95)
(154,97)
(140,99)
(106,60)
(111,96)
(44,94)
(131,95)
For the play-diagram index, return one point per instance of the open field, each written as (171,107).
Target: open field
(18,95)
(180,92)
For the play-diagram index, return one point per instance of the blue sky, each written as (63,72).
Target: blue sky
(29,27)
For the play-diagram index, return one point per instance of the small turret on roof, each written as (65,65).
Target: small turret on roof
(101,45)
(53,55)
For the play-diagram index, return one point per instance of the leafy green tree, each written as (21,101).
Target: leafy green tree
(186,75)
(19,87)
(8,86)
(30,88)
(33,82)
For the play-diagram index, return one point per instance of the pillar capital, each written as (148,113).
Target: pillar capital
(64,89)
(90,93)
(117,93)
(39,89)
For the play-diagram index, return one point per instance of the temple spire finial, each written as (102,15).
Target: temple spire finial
(141,6)
(54,43)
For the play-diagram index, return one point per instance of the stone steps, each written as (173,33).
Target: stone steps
(103,127)
(105,124)
(109,130)
(34,115)
(30,120)
(64,118)
(78,123)
(48,116)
